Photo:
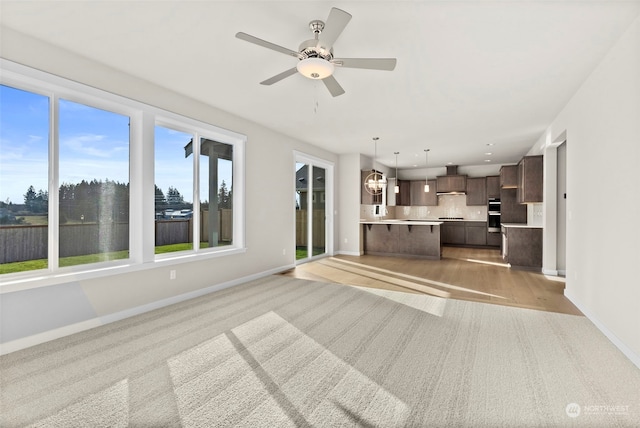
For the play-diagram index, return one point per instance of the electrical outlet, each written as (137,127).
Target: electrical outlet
(172,274)
(284,251)
(346,240)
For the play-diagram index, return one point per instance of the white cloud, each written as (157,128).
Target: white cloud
(94,145)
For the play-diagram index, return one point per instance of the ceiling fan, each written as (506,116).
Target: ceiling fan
(316,60)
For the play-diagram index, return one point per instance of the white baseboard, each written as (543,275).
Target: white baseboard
(37,339)
(349,253)
(635,358)
(550,272)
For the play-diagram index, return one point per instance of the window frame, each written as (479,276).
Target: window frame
(143,118)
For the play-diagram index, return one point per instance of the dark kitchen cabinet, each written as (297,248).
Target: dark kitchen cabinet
(477,191)
(493,186)
(421,198)
(472,233)
(530,172)
(453,233)
(418,198)
(510,210)
(431,197)
(475,233)
(523,247)
(451,183)
(366,197)
(404,197)
(509,177)
(494,239)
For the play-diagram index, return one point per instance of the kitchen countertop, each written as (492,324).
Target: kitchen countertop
(521,225)
(407,222)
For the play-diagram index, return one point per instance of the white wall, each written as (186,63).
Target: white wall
(349,205)
(269,213)
(602,125)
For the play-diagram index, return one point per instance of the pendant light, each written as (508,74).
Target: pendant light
(396,188)
(426,173)
(375,182)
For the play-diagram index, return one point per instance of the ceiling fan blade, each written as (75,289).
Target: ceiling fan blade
(337,20)
(251,39)
(370,63)
(333,86)
(279,77)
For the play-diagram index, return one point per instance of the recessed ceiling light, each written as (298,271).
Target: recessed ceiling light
(449,163)
(487,160)
(488,154)
(415,166)
(489,144)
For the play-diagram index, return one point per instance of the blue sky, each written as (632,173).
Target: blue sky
(94,144)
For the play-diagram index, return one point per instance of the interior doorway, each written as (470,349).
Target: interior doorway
(561,210)
(313,207)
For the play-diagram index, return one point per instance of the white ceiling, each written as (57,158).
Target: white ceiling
(469,73)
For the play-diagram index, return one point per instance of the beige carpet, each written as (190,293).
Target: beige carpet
(285,352)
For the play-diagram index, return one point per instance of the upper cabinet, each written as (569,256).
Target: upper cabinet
(477,191)
(509,177)
(404,197)
(530,172)
(451,183)
(431,197)
(421,198)
(493,186)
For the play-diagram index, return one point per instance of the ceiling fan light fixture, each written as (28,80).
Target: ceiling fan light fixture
(315,68)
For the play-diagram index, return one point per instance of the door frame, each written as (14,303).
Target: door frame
(300,157)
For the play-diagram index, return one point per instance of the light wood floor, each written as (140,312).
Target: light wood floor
(463,273)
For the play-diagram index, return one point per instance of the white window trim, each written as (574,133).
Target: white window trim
(141,177)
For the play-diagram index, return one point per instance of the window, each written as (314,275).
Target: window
(93,201)
(24,192)
(216,193)
(173,190)
(77,170)
(182,220)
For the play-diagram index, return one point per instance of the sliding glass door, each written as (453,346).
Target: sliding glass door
(312,207)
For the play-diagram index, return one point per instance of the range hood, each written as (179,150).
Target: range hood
(452,183)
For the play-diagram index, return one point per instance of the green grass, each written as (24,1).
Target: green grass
(64,262)
(302,253)
(36,220)
(91,258)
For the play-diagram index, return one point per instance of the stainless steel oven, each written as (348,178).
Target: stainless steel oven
(493,217)
(493,223)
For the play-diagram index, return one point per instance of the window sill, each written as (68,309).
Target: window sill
(37,279)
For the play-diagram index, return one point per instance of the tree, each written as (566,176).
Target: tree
(174,198)
(160,199)
(224,196)
(29,198)
(36,202)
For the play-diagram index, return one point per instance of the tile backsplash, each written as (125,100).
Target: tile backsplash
(448,206)
(534,214)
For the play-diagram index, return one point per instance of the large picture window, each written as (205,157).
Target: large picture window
(94,184)
(24,192)
(78,167)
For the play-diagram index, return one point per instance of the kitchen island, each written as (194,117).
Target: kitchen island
(522,245)
(406,238)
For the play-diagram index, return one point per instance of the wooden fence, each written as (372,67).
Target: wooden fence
(30,242)
(318,228)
